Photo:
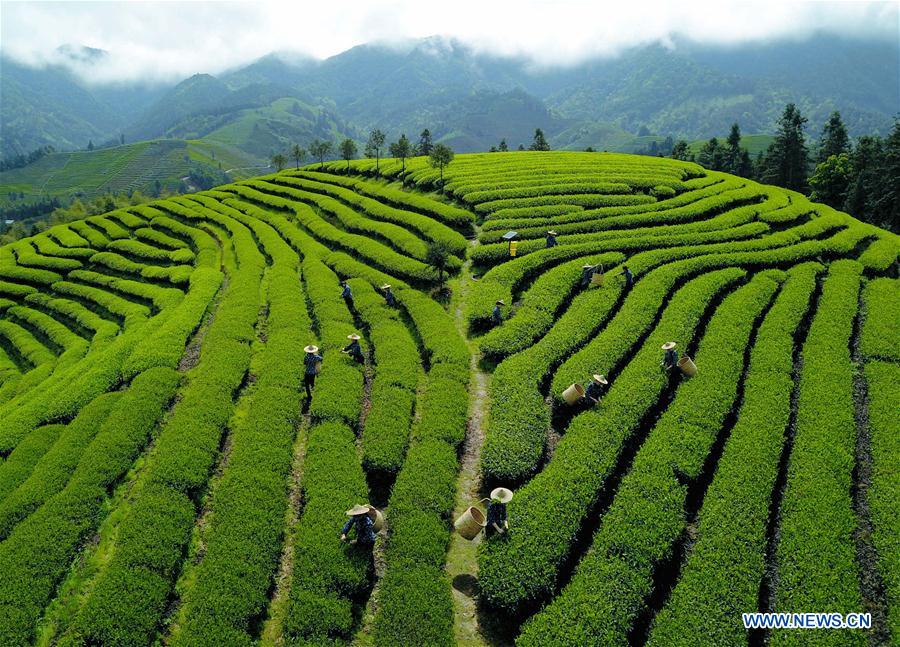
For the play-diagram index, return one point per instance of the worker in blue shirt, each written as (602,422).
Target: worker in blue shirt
(497,314)
(629,277)
(670,359)
(595,389)
(388,295)
(311,363)
(354,349)
(497,519)
(587,272)
(551,239)
(362,522)
(347,294)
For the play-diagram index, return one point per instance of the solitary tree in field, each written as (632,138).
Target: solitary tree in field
(297,153)
(521,147)
(440,157)
(401,149)
(348,151)
(320,150)
(425,144)
(540,142)
(278,161)
(90,144)
(438,255)
(834,138)
(786,159)
(374,146)
(503,148)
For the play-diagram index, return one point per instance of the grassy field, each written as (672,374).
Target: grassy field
(119,169)
(164,478)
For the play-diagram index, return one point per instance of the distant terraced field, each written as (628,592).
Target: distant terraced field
(163,478)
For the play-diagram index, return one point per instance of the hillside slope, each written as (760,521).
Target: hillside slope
(163,475)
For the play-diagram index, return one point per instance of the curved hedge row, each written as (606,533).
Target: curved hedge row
(637,533)
(722,574)
(547,513)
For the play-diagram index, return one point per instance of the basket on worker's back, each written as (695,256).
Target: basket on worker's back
(470,523)
(687,366)
(573,394)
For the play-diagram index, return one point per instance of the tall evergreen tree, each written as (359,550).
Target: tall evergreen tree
(425,144)
(787,157)
(540,142)
(834,138)
(712,155)
(503,146)
(733,152)
(867,182)
(888,202)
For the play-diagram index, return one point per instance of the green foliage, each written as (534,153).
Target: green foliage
(723,572)
(817,516)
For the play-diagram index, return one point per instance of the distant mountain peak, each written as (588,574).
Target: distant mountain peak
(81,54)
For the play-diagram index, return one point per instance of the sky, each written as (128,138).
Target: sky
(168,41)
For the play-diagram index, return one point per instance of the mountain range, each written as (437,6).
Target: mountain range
(467,99)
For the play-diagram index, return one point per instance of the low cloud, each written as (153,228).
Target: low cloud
(167,41)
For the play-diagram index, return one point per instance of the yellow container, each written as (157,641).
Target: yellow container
(573,394)
(687,366)
(470,523)
(512,247)
(377,518)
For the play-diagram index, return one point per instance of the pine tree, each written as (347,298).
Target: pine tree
(787,157)
(680,150)
(867,181)
(733,152)
(834,138)
(503,148)
(425,144)
(540,142)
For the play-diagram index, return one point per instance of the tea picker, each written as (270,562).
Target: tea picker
(497,314)
(587,272)
(313,364)
(354,349)
(497,519)
(670,359)
(551,239)
(595,389)
(471,522)
(362,522)
(629,277)
(347,294)
(388,295)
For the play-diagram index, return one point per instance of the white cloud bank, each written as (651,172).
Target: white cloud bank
(171,40)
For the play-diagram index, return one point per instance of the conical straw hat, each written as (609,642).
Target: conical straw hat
(354,337)
(311,349)
(587,267)
(552,233)
(357,509)
(501,495)
(386,286)
(669,345)
(501,302)
(599,379)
